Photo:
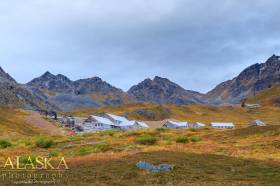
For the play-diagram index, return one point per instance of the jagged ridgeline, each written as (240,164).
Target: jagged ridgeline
(58,92)
(16,95)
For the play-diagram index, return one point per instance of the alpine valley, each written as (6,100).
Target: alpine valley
(87,126)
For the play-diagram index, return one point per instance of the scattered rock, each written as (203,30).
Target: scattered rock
(154,168)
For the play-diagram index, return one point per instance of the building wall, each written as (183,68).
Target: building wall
(223,127)
(170,125)
(95,126)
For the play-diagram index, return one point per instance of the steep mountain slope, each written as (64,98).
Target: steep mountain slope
(14,94)
(163,91)
(252,80)
(267,97)
(5,76)
(83,93)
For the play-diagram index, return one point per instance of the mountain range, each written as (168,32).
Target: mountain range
(58,92)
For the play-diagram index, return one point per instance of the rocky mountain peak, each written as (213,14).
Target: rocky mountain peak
(56,83)
(157,78)
(273,58)
(47,74)
(162,90)
(94,84)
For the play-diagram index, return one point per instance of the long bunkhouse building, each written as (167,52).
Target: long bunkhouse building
(222,125)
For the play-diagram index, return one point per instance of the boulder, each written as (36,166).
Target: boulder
(154,168)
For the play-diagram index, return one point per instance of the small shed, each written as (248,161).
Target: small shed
(257,123)
(174,124)
(222,125)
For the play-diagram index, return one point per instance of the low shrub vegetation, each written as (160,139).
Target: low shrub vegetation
(207,127)
(194,129)
(133,133)
(27,159)
(146,140)
(5,144)
(44,142)
(54,153)
(24,143)
(109,132)
(182,139)
(195,138)
(85,150)
(162,129)
(102,147)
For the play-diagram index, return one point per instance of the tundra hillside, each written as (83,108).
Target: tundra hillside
(243,156)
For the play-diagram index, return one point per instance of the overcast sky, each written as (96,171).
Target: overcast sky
(195,43)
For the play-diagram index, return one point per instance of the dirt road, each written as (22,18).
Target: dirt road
(36,120)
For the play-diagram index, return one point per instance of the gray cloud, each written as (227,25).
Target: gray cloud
(197,44)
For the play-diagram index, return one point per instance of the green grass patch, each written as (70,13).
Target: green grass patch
(85,150)
(54,153)
(100,147)
(195,138)
(193,129)
(182,139)
(5,144)
(146,140)
(27,159)
(109,132)
(162,129)
(207,127)
(44,142)
(24,142)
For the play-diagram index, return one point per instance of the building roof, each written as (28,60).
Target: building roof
(200,124)
(259,122)
(215,124)
(142,124)
(118,118)
(102,120)
(126,123)
(179,124)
